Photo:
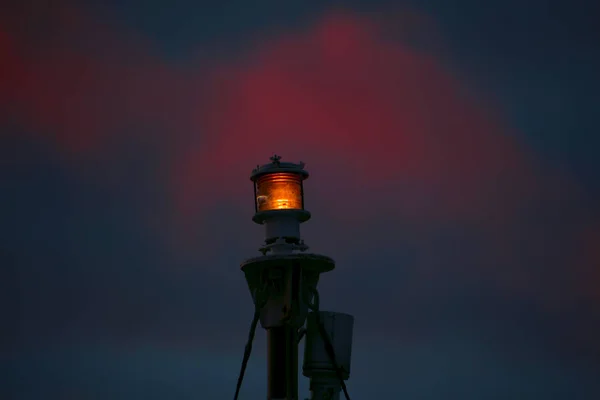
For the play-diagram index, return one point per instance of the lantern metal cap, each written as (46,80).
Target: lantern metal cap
(277,166)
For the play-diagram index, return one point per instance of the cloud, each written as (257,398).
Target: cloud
(75,78)
(464,368)
(371,112)
(98,371)
(404,157)
(590,261)
(379,120)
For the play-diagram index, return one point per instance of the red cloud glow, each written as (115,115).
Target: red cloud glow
(387,130)
(374,116)
(78,80)
(377,117)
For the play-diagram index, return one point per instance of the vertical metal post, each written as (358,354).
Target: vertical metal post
(282,363)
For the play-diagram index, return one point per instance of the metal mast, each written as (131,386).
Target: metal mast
(283,284)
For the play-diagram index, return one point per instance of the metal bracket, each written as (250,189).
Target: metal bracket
(288,277)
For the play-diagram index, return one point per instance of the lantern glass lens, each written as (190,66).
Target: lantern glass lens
(279,191)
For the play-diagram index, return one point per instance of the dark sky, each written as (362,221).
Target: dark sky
(455,179)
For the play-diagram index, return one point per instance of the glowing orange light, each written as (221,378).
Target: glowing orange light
(279,191)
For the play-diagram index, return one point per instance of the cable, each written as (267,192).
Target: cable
(259,304)
(314,306)
(301,333)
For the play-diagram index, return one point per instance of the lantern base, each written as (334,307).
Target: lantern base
(298,215)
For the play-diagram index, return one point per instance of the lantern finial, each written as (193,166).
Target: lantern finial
(275,159)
